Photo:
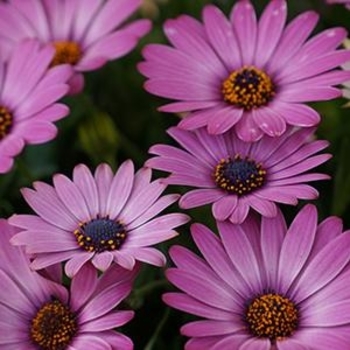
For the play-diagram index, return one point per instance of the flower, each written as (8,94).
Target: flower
(37,313)
(101,218)
(265,287)
(252,75)
(28,95)
(85,36)
(235,175)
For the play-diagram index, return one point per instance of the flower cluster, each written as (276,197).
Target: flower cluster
(246,144)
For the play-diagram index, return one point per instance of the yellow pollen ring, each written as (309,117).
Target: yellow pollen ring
(248,88)
(54,326)
(6,122)
(100,234)
(66,52)
(229,179)
(272,316)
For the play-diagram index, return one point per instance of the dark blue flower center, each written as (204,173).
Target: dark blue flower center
(239,176)
(272,316)
(99,235)
(6,121)
(54,326)
(248,88)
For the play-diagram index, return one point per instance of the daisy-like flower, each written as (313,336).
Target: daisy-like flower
(37,313)
(29,91)
(101,218)
(86,34)
(265,287)
(235,175)
(254,76)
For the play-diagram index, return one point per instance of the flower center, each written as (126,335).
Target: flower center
(6,122)
(66,52)
(272,316)
(239,176)
(248,88)
(54,326)
(99,235)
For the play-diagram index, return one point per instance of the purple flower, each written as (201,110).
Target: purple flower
(252,75)
(102,218)
(28,95)
(235,175)
(37,313)
(265,287)
(86,34)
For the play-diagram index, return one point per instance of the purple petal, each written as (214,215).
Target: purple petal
(224,119)
(247,130)
(71,197)
(102,261)
(149,255)
(104,302)
(272,235)
(324,267)
(241,253)
(270,29)
(294,35)
(197,198)
(224,206)
(270,122)
(298,114)
(193,306)
(85,182)
(220,34)
(76,262)
(244,23)
(110,321)
(120,188)
(297,246)
(103,177)
(83,285)
(38,201)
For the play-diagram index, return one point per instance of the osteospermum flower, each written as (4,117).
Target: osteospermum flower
(235,175)
(37,313)
(252,75)
(85,34)
(102,218)
(265,287)
(28,95)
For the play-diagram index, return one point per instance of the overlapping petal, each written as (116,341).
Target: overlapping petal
(203,55)
(255,259)
(288,161)
(119,213)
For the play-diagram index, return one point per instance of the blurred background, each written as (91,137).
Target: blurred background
(115,119)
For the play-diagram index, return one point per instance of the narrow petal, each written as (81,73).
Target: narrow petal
(297,246)
(243,19)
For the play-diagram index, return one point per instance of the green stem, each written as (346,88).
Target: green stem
(150,287)
(152,341)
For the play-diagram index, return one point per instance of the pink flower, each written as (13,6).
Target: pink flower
(86,33)
(237,176)
(29,92)
(103,218)
(37,313)
(253,76)
(265,286)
